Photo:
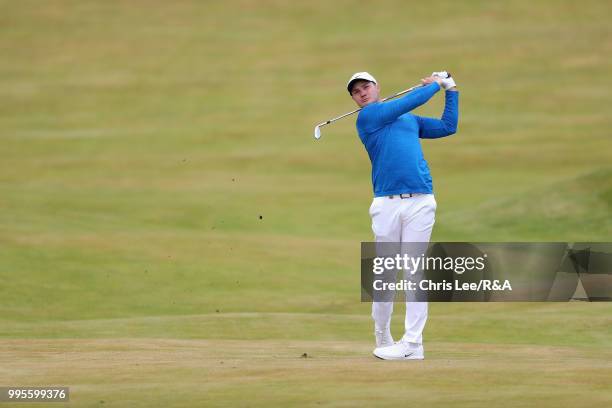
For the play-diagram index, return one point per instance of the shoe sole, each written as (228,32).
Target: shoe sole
(410,357)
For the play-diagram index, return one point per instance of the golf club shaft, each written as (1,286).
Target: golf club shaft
(357,110)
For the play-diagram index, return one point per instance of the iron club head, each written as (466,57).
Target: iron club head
(317,132)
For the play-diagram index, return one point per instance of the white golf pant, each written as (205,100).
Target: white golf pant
(403,220)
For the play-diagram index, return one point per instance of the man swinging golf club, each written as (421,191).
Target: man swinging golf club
(403,209)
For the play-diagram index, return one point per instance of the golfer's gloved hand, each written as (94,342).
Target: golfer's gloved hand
(447,81)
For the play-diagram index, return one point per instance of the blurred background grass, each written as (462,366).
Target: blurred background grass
(158,160)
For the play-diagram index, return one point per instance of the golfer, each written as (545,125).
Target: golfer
(403,209)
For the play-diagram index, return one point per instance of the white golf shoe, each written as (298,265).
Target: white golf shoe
(400,351)
(383,338)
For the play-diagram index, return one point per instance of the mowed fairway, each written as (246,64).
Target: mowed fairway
(172,235)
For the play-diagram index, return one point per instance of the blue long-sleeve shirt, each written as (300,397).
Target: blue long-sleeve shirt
(391,136)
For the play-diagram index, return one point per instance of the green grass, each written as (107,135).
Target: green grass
(163,206)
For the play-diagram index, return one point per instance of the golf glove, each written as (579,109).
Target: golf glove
(447,81)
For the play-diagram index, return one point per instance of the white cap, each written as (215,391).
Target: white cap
(359,75)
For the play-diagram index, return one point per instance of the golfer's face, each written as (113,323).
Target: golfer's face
(365,92)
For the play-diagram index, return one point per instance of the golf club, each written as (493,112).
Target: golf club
(317,129)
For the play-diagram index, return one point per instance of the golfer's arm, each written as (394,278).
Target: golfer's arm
(381,114)
(430,128)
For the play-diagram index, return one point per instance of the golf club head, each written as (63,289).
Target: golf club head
(317,132)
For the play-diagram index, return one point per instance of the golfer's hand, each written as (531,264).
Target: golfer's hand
(447,80)
(431,79)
